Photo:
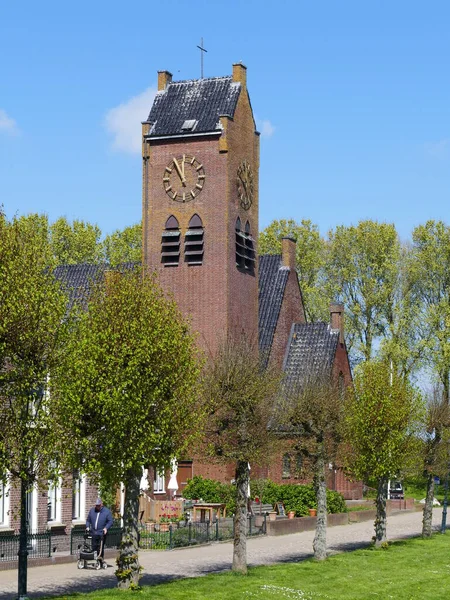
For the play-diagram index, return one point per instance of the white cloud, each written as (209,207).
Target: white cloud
(7,123)
(124,121)
(266,128)
(438,149)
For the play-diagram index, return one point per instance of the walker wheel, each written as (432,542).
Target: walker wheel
(98,565)
(80,564)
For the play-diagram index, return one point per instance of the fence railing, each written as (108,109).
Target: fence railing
(158,537)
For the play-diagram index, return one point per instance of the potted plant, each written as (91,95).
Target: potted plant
(291,514)
(312,512)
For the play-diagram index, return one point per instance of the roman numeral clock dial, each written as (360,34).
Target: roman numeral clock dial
(184,178)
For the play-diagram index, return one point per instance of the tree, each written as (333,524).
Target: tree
(310,255)
(430,270)
(240,396)
(382,415)
(313,414)
(128,392)
(362,270)
(124,246)
(435,445)
(33,330)
(75,243)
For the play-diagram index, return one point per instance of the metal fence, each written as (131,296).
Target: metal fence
(158,537)
(39,545)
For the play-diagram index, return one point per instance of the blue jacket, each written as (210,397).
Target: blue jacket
(97,521)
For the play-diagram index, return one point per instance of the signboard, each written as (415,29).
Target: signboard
(280,509)
(437,480)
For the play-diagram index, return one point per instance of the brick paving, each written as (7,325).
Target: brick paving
(161,566)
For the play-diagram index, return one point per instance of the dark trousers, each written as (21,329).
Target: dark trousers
(98,546)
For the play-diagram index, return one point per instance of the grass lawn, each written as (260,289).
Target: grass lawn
(412,569)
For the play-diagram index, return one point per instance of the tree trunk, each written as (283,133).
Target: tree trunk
(380,519)
(428,508)
(128,570)
(23,543)
(240,518)
(320,538)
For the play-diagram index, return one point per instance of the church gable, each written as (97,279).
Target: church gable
(187,108)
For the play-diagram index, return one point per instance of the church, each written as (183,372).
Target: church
(200,205)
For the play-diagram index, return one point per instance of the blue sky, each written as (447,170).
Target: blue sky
(352,99)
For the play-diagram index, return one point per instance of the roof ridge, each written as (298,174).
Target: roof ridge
(181,81)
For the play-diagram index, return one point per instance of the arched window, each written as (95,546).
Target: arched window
(286,467)
(170,243)
(240,245)
(193,242)
(249,249)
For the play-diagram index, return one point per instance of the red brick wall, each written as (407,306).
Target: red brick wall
(218,299)
(292,311)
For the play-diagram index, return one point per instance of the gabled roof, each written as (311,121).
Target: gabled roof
(310,354)
(201,100)
(77,280)
(273,278)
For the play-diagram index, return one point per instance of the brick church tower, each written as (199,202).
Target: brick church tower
(200,202)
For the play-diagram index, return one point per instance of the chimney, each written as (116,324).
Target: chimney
(288,247)
(240,74)
(164,78)
(337,319)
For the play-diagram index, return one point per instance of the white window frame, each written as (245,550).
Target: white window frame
(159,482)
(78,497)
(4,505)
(54,497)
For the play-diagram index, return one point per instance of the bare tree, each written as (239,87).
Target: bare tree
(241,395)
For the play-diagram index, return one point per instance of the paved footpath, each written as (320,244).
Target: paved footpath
(161,566)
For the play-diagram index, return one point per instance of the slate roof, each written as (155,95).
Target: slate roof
(273,278)
(76,280)
(311,352)
(204,100)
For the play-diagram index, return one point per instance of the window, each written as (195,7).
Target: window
(4,505)
(193,242)
(170,243)
(245,249)
(298,464)
(54,501)
(158,482)
(286,467)
(78,496)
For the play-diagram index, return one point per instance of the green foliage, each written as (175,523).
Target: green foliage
(310,256)
(299,498)
(127,384)
(124,245)
(382,416)
(362,272)
(211,490)
(33,331)
(430,272)
(76,242)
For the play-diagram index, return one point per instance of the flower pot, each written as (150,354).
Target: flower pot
(272,516)
(291,514)
(259,520)
(312,512)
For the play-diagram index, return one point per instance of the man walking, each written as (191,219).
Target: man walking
(98,522)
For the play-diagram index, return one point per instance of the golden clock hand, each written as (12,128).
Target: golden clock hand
(180,173)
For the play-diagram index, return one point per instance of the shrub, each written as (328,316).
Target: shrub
(211,490)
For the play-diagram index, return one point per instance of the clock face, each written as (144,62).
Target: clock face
(245,184)
(184,178)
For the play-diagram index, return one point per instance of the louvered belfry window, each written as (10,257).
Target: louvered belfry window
(240,246)
(249,249)
(170,243)
(245,248)
(193,242)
